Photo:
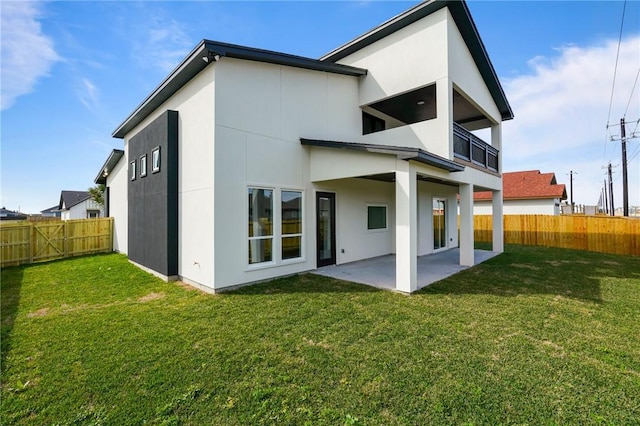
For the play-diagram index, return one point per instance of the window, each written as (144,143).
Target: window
(371,124)
(92,214)
(260,225)
(132,170)
(376,217)
(143,165)
(291,224)
(155,160)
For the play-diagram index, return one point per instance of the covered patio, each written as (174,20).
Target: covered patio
(380,272)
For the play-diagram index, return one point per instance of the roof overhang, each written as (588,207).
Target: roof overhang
(108,166)
(462,17)
(208,52)
(402,153)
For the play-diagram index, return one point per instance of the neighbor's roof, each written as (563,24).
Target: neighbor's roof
(71,198)
(529,184)
(108,166)
(51,209)
(462,17)
(209,51)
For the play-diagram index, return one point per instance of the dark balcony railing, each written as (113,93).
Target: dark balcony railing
(469,147)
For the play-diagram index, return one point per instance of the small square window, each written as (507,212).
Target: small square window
(155,160)
(143,165)
(132,170)
(376,217)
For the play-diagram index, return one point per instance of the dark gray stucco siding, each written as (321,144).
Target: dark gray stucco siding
(153,199)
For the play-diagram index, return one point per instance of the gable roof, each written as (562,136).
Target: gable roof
(462,17)
(53,209)
(529,184)
(207,52)
(108,166)
(69,199)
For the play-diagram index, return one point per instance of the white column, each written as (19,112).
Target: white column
(406,227)
(466,225)
(498,223)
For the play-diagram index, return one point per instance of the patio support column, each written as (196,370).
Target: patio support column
(406,227)
(466,225)
(498,222)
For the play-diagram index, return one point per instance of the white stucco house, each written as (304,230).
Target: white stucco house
(78,205)
(246,164)
(525,192)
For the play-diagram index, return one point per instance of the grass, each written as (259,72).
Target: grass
(534,336)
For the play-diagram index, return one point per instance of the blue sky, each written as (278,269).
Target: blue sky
(72,71)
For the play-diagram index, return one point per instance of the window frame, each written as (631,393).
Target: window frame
(93,211)
(272,237)
(132,170)
(143,165)
(386,217)
(155,160)
(282,235)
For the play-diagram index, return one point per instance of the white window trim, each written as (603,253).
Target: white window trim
(272,262)
(143,165)
(301,258)
(155,169)
(386,218)
(132,170)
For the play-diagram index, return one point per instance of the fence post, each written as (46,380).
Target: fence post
(31,245)
(66,240)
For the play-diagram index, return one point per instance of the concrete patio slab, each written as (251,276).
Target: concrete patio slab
(380,271)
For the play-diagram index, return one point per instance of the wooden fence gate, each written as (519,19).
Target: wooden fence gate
(29,242)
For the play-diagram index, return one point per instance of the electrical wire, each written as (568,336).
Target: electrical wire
(631,95)
(615,72)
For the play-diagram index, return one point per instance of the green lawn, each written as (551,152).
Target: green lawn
(534,336)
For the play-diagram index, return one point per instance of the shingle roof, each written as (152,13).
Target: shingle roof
(51,209)
(71,198)
(527,184)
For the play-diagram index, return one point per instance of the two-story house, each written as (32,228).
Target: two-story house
(246,164)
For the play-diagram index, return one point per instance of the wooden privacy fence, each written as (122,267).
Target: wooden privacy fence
(29,242)
(605,234)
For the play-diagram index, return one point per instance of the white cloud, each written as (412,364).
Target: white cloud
(88,94)
(561,109)
(27,54)
(163,45)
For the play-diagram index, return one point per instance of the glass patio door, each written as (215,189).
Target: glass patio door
(439,224)
(326,228)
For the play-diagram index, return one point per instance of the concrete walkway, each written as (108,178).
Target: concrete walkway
(380,271)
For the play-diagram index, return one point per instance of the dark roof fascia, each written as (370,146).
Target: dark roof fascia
(208,52)
(107,167)
(403,153)
(467,27)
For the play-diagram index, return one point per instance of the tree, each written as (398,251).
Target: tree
(97,194)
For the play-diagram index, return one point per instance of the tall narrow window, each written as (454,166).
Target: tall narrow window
(143,165)
(132,170)
(371,124)
(260,225)
(291,224)
(155,160)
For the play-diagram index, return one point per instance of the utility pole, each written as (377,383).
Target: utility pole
(571,172)
(606,200)
(611,207)
(625,187)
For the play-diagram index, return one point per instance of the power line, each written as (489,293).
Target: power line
(615,72)
(631,95)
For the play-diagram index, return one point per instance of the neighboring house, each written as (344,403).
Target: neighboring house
(6,214)
(51,212)
(247,164)
(527,192)
(78,205)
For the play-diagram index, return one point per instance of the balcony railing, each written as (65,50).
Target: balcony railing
(471,148)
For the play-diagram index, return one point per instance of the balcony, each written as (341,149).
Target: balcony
(469,147)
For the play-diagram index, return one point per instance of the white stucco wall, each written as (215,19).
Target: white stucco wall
(540,206)
(427,191)
(117,182)
(262,111)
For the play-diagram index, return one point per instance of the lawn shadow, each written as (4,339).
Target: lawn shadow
(540,270)
(10,289)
